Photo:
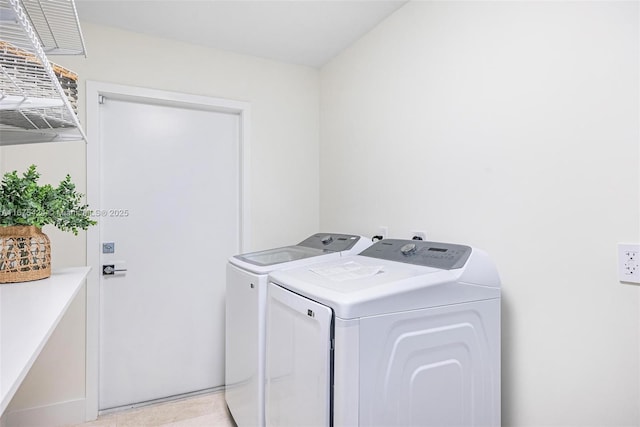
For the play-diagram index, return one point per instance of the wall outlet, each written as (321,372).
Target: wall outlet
(383,231)
(629,263)
(418,235)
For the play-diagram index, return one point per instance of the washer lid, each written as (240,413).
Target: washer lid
(279,255)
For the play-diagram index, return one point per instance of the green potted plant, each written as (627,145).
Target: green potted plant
(26,207)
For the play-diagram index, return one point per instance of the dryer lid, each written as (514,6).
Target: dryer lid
(365,285)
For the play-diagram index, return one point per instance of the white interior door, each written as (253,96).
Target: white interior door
(170,204)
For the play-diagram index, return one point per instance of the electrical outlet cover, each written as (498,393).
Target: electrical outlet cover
(629,262)
(422,235)
(383,231)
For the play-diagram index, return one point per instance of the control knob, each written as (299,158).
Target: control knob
(408,249)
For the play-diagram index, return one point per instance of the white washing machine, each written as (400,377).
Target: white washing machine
(407,333)
(246,295)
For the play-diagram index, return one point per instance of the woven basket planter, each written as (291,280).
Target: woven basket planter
(25,254)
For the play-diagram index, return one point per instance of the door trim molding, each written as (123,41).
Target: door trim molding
(94,90)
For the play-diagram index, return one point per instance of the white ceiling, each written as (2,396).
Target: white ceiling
(306,32)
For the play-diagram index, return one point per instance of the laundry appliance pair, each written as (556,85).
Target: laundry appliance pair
(402,333)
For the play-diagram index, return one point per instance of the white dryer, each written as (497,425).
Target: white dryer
(246,295)
(407,333)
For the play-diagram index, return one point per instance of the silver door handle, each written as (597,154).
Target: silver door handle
(110,270)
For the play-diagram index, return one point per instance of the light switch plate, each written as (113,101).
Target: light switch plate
(629,262)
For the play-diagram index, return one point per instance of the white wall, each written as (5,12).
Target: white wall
(283,143)
(511,126)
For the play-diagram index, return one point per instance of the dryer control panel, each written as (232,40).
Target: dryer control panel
(445,256)
(330,242)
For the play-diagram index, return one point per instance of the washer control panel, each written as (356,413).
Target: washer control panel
(445,256)
(330,242)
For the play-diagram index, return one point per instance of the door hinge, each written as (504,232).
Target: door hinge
(100,99)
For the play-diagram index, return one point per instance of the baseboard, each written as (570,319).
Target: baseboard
(59,414)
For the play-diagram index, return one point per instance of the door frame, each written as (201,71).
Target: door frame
(94,90)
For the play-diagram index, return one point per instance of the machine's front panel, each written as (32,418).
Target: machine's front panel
(244,347)
(431,367)
(297,391)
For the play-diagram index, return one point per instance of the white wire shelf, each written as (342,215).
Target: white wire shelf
(38,98)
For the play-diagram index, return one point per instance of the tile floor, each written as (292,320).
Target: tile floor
(207,410)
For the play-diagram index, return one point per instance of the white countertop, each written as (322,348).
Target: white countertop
(29,312)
